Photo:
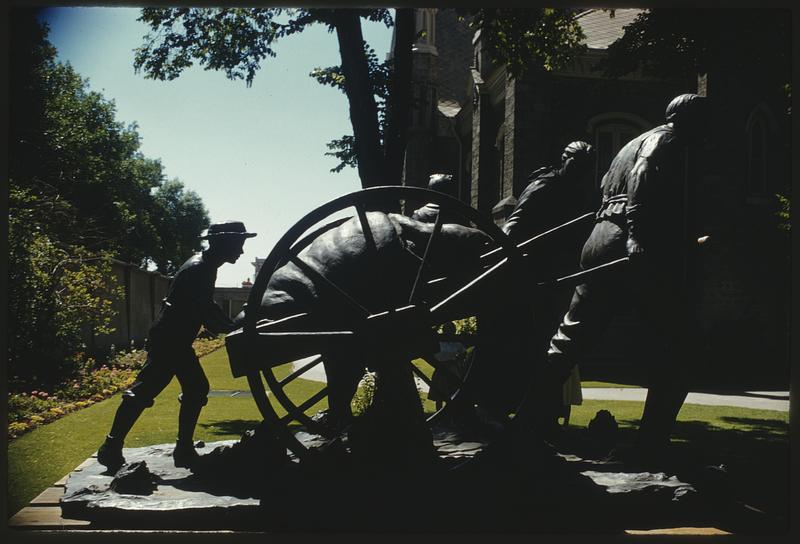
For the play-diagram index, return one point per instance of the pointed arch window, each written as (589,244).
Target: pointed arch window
(610,132)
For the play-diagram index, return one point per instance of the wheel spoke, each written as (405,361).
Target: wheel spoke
(308,341)
(421,374)
(270,417)
(311,271)
(260,396)
(469,286)
(302,370)
(311,401)
(365,228)
(437,227)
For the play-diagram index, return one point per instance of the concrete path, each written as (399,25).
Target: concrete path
(761,400)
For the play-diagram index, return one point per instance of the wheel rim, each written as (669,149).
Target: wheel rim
(298,238)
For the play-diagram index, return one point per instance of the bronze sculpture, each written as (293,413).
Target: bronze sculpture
(519,330)
(641,208)
(374,289)
(187,306)
(366,290)
(375,271)
(550,199)
(441,183)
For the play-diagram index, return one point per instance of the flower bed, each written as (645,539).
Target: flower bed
(29,410)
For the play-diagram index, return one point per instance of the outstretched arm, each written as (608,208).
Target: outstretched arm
(639,187)
(215,320)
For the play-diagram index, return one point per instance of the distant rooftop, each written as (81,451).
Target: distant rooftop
(601,29)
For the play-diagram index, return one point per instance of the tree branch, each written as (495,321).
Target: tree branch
(399,106)
(363,109)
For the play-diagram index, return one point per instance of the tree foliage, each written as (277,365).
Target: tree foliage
(181,215)
(92,185)
(237,40)
(525,39)
(58,294)
(684,42)
(80,194)
(784,214)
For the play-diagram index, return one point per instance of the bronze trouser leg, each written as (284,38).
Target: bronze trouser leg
(343,373)
(660,412)
(187,420)
(194,396)
(399,408)
(127,414)
(593,303)
(504,359)
(675,345)
(396,392)
(590,310)
(154,376)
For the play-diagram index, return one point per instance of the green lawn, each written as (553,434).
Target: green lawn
(605,384)
(627,413)
(44,455)
(744,438)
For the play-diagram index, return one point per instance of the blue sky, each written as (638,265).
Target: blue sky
(255,154)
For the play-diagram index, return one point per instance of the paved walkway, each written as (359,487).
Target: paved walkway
(761,400)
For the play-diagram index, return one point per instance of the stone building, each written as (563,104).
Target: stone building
(490,131)
(441,88)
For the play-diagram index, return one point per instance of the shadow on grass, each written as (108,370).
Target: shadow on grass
(754,453)
(760,425)
(744,428)
(747,434)
(229,427)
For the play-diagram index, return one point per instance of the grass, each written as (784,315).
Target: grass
(605,384)
(46,454)
(754,443)
(627,413)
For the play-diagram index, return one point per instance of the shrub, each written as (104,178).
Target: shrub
(468,325)
(364,394)
(133,360)
(91,382)
(784,213)
(57,293)
(204,346)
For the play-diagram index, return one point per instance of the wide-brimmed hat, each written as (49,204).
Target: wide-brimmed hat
(227,229)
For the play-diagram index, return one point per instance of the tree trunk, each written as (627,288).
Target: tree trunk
(399,102)
(363,110)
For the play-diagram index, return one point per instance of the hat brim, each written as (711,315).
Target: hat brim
(228,235)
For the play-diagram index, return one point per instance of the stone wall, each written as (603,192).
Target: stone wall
(136,308)
(140,303)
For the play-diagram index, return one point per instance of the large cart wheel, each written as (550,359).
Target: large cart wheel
(432,302)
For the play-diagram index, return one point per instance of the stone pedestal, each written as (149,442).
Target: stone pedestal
(516,484)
